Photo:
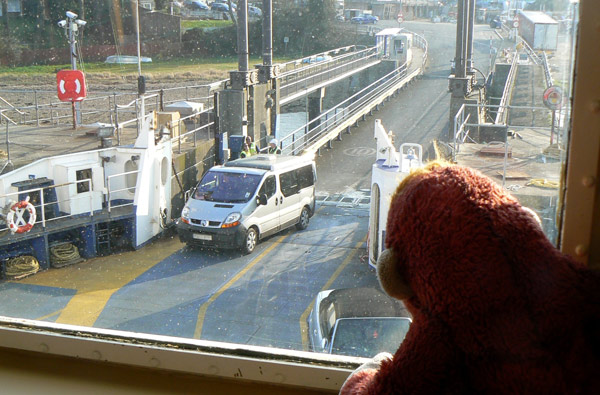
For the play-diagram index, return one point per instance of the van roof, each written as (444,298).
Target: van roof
(267,162)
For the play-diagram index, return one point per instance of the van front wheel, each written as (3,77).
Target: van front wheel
(304,219)
(250,241)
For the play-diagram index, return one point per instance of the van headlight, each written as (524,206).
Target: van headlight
(185,215)
(232,220)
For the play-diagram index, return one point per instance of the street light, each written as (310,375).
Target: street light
(71,26)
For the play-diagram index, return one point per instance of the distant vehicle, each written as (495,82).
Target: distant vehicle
(237,204)
(436,19)
(496,23)
(195,5)
(126,59)
(360,322)
(254,11)
(317,59)
(364,19)
(221,7)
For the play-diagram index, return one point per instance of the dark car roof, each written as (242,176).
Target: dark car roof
(363,302)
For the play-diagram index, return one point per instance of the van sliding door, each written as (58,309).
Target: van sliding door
(289,201)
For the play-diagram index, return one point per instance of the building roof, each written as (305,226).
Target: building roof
(538,17)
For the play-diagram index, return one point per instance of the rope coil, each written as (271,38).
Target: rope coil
(21,266)
(64,254)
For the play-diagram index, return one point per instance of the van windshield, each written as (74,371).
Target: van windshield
(227,187)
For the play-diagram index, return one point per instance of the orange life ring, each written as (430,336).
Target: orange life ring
(18,224)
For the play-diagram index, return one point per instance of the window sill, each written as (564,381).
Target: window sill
(217,360)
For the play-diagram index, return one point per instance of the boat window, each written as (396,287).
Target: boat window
(84,174)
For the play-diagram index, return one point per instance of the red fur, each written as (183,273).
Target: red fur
(496,308)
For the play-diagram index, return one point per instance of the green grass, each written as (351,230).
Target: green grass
(191,24)
(157,66)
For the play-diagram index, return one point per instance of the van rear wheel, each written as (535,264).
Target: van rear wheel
(304,219)
(250,241)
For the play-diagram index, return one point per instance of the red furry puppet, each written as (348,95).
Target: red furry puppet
(496,307)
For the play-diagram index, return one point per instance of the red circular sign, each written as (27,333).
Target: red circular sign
(70,85)
(553,97)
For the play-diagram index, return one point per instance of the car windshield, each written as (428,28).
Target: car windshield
(366,337)
(227,187)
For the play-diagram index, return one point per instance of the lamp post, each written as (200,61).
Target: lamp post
(71,26)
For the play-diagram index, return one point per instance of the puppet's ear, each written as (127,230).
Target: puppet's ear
(390,278)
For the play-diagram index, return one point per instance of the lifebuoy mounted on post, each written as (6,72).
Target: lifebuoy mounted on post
(15,218)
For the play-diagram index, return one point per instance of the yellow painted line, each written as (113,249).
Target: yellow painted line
(85,307)
(303,325)
(97,279)
(205,305)
(49,315)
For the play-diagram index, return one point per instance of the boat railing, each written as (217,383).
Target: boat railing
(122,194)
(46,209)
(200,130)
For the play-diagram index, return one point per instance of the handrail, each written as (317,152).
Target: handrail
(355,103)
(42,204)
(11,106)
(110,191)
(502,114)
(547,74)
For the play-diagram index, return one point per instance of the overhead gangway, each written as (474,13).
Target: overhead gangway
(324,71)
(329,126)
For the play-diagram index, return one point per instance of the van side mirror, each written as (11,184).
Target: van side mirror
(188,193)
(262,199)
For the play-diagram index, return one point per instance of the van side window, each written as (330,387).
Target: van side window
(289,183)
(268,187)
(305,177)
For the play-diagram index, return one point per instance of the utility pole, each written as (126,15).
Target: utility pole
(71,26)
(461,82)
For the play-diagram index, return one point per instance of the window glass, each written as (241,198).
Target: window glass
(305,177)
(289,183)
(84,174)
(227,187)
(87,81)
(269,187)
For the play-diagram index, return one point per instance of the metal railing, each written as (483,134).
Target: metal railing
(298,81)
(112,195)
(42,206)
(547,74)
(508,86)
(130,190)
(317,131)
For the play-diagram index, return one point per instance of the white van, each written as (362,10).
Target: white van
(239,203)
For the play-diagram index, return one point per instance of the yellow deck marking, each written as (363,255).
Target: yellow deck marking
(303,325)
(205,305)
(97,279)
(57,312)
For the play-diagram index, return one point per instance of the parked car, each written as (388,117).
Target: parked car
(254,11)
(195,5)
(317,59)
(221,7)
(359,322)
(364,19)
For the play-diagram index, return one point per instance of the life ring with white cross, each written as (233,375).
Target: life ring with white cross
(15,217)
